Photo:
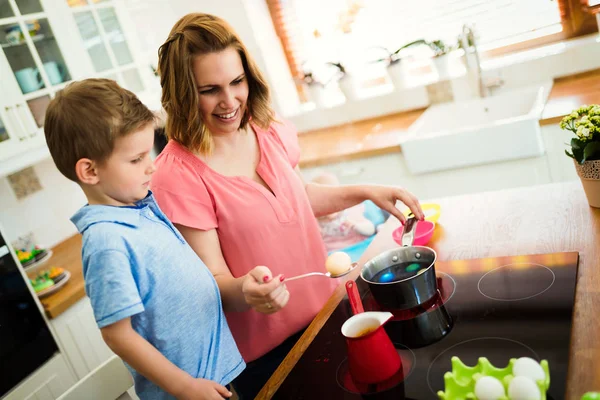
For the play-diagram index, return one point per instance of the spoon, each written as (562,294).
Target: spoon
(327,274)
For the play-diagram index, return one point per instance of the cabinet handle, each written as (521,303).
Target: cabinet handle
(26,120)
(17,123)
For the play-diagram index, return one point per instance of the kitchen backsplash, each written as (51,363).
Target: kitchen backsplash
(44,213)
(24,183)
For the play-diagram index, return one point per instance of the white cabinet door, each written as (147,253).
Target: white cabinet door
(30,65)
(110,43)
(80,338)
(47,383)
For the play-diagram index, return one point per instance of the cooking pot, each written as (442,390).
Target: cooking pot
(404,277)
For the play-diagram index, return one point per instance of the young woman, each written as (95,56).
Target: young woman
(229,180)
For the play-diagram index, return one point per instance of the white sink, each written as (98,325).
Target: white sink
(477,131)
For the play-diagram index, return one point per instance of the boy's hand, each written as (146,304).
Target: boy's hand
(203,389)
(263,292)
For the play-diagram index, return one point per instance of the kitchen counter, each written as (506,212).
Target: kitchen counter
(569,93)
(371,137)
(67,255)
(381,135)
(534,220)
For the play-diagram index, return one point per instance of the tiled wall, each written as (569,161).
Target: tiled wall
(44,213)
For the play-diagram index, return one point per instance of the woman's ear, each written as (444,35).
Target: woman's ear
(86,172)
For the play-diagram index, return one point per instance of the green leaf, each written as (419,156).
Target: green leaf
(569,154)
(578,154)
(591,151)
(577,144)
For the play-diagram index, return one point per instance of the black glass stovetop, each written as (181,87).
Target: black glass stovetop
(498,308)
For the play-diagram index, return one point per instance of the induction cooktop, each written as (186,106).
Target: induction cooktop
(499,308)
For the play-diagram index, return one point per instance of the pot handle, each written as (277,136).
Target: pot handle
(408,234)
(354,298)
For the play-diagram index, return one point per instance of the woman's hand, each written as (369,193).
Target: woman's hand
(203,389)
(385,197)
(263,292)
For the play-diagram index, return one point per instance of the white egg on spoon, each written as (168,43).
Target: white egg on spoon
(338,263)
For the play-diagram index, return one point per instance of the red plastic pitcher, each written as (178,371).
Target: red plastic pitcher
(372,356)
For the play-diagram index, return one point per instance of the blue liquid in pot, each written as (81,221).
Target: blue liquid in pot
(400,272)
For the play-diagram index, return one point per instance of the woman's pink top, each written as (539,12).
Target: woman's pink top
(255,227)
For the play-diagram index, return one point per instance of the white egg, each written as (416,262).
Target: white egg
(337,263)
(488,388)
(528,367)
(523,388)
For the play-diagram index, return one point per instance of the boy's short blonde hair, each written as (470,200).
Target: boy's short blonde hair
(85,119)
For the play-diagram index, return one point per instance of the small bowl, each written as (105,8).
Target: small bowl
(423,233)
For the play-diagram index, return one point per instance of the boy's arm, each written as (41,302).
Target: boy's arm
(148,361)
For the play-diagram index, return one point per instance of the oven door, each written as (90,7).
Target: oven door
(25,339)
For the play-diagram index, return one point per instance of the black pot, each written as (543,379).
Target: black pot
(426,325)
(409,292)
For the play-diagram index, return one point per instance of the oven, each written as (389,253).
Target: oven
(26,342)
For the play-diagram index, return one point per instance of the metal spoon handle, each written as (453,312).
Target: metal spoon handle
(408,234)
(327,274)
(305,275)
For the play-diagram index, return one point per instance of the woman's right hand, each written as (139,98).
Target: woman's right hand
(263,292)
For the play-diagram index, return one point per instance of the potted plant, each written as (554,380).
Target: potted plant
(441,58)
(584,123)
(396,67)
(348,84)
(315,88)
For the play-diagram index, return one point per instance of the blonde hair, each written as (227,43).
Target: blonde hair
(193,35)
(85,119)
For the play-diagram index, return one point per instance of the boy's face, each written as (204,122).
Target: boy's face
(124,177)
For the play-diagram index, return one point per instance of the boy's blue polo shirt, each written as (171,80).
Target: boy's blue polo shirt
(136,264)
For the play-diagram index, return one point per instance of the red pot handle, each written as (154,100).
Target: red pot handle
(354,298)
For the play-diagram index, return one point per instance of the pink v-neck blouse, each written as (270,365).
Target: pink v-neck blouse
(255,227)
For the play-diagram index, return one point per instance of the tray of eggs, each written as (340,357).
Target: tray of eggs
(49,281)
(523,379)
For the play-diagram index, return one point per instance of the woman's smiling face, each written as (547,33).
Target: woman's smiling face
(222,90)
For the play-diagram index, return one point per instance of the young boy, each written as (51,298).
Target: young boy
(156,303)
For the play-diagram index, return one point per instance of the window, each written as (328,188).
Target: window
(105,41)
(349,31)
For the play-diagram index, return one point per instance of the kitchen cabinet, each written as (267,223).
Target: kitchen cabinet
(48,382)
(64,40)
(80,338)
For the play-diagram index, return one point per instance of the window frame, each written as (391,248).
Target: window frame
(577,19)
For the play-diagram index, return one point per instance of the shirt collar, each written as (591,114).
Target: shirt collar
(89,215)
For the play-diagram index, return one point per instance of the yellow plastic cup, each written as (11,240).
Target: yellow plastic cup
(431,210)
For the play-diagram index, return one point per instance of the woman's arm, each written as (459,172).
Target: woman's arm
(258,289)
(148,361)
(327,199)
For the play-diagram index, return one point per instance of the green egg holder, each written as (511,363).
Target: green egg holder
(460,383)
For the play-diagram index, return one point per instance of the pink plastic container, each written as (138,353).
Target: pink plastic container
(423,233)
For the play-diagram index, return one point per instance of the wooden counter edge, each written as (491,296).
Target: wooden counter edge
(356,155)
(59,308)
(67,254)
